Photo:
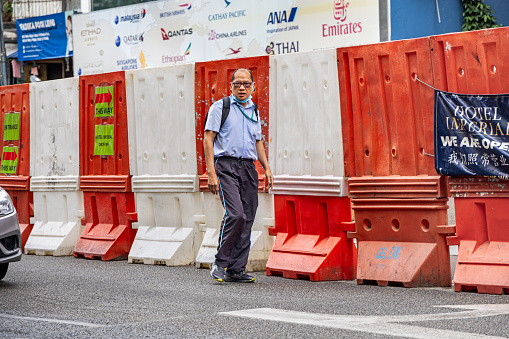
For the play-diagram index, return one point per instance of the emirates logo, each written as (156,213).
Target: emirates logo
(340,9)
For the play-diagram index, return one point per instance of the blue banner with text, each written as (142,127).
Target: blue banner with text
(45,37)
(472,135)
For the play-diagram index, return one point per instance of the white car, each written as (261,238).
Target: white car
(10,235)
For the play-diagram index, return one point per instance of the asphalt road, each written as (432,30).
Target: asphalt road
(63,297)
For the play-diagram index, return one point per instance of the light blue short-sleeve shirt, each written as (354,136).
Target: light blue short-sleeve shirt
(238,135)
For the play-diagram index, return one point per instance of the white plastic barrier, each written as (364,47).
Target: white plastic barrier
(54,170)
(261,242)
(306,149)
(162,156)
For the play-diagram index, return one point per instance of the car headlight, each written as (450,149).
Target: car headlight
(6,206)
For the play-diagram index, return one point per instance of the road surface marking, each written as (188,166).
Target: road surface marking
(58,321)
(385,325)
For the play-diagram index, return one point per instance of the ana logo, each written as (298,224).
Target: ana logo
(340,9)
(143,12)
(171,34)
(234,51)
(282,16)
(116,20)
(117,41)
(282,47)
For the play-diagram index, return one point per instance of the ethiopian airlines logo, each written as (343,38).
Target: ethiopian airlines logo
(340,9)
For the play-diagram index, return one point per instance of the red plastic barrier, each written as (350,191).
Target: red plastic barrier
(476,63)
(481,233)
(108,222)
(387,116)
(311,241)
(16,179)
(402,242)
(118,163)
(213,83)
(471,62)
(104,169)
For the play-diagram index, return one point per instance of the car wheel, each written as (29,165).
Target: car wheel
(3,270)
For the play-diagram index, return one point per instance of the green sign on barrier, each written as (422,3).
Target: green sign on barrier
(11,126)
(9,163)
(104,138)
(104,101)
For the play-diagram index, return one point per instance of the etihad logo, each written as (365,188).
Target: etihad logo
(282,16)
(340,9)
(181,11)
(171,34)
(213,35)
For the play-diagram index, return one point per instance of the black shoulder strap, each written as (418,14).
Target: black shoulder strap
(226,110)
(256,110)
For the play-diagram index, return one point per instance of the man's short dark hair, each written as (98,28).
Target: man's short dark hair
(242,69)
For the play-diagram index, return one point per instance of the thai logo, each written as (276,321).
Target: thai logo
(340,9)
(270,49)
(282,47)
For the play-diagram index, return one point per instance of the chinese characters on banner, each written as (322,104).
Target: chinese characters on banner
(472,135)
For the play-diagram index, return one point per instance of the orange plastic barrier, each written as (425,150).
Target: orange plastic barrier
(15,134)
(387,116)
(108,222)
(104,169)
(471,62)
(213,83)
(311,241)
(402,242)
(399,201)
(481,233)
(476,63)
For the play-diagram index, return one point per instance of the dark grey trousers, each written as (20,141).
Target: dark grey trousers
(238,190)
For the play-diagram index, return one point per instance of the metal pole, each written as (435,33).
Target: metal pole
(3,80)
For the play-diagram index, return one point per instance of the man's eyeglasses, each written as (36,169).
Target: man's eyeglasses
(239,84)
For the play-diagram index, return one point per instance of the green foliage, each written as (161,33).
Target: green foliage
(477,15)
(7,10)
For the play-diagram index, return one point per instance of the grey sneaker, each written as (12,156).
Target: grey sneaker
(241,277)
(217,273)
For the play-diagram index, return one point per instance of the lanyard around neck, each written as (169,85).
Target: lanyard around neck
(251,119)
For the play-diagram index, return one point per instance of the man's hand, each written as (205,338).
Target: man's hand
(213,183)
(270,177)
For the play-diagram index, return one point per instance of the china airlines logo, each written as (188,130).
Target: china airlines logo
(340,9)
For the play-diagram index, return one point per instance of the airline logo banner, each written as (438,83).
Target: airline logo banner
(163,33)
